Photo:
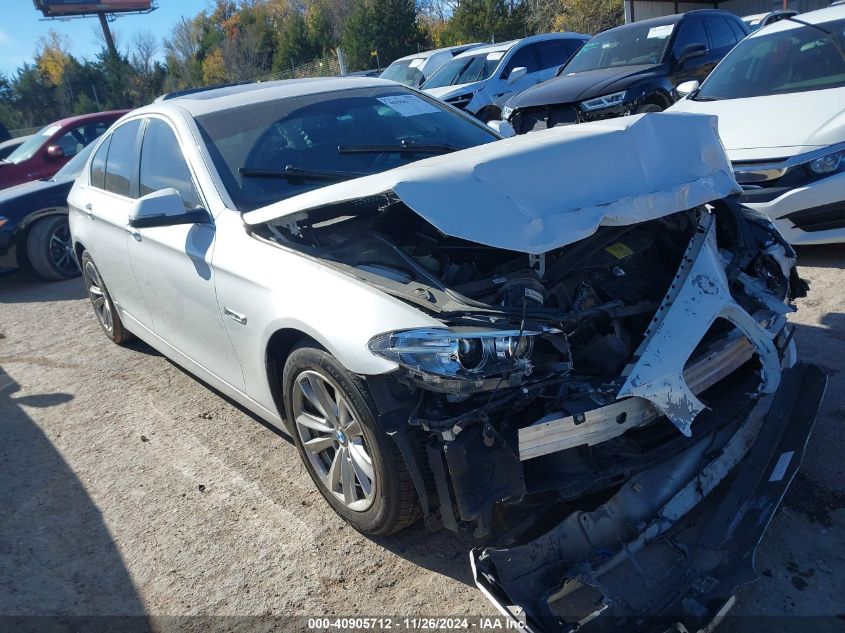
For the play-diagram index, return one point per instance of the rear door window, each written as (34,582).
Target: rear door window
(721,34)
(122,161)
(552,53)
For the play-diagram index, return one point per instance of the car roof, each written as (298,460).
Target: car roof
(673,18)
(828,14)
(216,99)
(505,46)
(431,53)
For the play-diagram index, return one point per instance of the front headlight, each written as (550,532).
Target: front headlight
(507,111)
(828,164)
(607,101)
(458,360)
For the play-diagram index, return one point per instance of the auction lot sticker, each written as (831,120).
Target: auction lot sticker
(408,105)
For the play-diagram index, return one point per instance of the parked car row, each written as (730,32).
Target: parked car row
(780,101)
(35,178)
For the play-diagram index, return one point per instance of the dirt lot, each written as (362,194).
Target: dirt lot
(130,488)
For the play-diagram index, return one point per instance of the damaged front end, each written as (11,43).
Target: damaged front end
(615,418)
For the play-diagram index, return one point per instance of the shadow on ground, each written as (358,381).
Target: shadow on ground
(19,287)
(57,557)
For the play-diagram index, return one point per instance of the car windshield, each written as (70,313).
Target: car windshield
(629,46)
(464,70)
(74,166)
(269,151)
(29,147)
(794,60)
(405,71)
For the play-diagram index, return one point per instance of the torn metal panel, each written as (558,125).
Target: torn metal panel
(605,423)
(525,209)
(667,545)
(699,295)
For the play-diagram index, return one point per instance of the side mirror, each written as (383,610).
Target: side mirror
(55,152)
(687,88)
(691,51)
(517,73)
(163,208)
(502,128)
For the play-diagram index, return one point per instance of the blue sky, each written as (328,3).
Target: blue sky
(21,27)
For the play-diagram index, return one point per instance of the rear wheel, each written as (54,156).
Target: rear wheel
(354,464)
(104,309)
(49,249)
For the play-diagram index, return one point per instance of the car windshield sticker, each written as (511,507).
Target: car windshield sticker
(619,250)
(408,105)
(659,32)
(416,63)
(495,55)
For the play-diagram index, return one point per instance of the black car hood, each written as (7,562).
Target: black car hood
(584,85)
(21,200)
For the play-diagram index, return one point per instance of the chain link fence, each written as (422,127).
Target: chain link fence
(327,66)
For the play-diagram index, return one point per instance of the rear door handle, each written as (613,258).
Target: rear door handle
(135,233)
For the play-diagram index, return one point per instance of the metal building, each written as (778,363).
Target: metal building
(643,9)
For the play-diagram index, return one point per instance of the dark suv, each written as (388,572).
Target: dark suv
(629,69)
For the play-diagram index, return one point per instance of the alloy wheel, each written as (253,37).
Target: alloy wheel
(333,440)
(99,296)
(61,250)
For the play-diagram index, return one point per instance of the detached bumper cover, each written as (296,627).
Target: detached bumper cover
(675,542)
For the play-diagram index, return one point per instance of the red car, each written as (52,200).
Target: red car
(45,152)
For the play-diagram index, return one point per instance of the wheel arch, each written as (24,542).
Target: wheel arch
(276,352)
(658,97)
(23,228)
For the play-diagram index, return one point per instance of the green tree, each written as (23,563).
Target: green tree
(487,21)
(388,27)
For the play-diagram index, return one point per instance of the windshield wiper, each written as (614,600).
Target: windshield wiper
(404,147)
(292,172)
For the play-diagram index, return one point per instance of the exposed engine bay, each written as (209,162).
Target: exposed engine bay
(564,384)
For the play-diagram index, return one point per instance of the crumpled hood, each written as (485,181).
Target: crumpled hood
(537,192)
(580,86)
(447,92)
(777,125)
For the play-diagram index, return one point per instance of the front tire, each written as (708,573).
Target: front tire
(649,107)
(104,309)
(49,249)
(355,465)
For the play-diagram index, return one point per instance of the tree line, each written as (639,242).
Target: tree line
(244,40)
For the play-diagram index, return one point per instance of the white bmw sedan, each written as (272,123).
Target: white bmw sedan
(572,344)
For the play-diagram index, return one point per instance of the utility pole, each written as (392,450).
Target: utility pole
(107,34)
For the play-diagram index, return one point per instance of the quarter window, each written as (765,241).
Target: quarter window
(121,160)
(163,165)
(98,165)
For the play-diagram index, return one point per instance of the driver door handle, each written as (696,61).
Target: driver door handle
(88,210)
(135,233)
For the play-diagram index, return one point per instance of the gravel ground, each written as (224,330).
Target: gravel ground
(130,488)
